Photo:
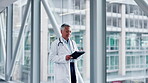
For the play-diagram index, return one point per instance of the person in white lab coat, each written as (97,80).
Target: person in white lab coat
(65,68)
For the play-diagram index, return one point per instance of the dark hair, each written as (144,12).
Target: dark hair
(64,25)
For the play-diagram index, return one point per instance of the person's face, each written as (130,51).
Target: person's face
(66,33)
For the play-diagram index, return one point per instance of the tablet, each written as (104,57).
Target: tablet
(76,54)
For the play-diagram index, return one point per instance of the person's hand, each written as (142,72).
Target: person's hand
(68,57)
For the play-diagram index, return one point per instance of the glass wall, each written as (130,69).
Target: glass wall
(74,14)
(126,42)
(21,69)
(2,43)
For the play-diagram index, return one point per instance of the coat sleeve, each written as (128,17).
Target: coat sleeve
(54,57)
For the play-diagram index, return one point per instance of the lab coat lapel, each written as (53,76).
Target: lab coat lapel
(66,47)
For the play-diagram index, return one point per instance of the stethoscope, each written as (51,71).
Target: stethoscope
(60,42)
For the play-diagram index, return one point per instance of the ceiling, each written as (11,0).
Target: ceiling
(5,3)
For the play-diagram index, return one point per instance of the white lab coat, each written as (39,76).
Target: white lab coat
(61,66)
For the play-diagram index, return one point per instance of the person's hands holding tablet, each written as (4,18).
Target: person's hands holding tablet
(76,54)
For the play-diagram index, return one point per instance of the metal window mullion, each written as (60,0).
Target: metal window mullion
(97,43)
(35,41)
(9,27)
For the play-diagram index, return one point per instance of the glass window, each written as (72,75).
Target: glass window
(112,63)
(127,23)
(131,8)
(109,21)
(127,9)
(115,23)
(147,59)
(22,64)
(108,7)
(115,8)
(77,19)
(2,43)
(136,24)
(140,23)
(137,60)
(145,24)
(107,62)
(128,60)
(132,22)
(116,62)
(74,14)
(132,56)
(133,59)
(142,60)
